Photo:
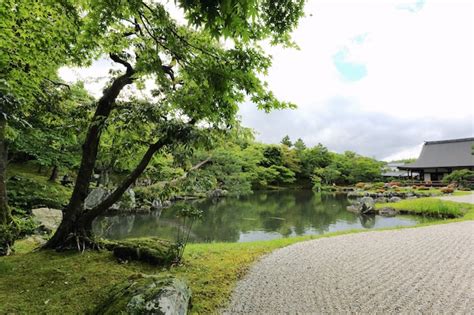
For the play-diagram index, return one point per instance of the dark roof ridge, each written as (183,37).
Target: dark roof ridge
(450,141)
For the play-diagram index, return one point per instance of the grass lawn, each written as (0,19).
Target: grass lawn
(432,207)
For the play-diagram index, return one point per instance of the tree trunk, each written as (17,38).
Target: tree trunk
(71,232)
(88,217)
(54,174)
(5,217)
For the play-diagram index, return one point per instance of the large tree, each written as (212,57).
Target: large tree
(199,79)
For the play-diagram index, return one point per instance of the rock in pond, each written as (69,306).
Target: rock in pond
(388,212)
(47,219)
(147,295)
(365,205)
(395,199)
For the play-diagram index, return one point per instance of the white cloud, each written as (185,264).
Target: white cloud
(419,63)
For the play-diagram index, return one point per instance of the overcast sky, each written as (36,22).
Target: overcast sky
(376,77)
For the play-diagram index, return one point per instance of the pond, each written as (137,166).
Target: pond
(260,216)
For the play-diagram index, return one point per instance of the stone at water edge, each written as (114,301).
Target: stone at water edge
(388,212)
(96,196)
(47,219)
(395,199)
(367,204)
(147,295)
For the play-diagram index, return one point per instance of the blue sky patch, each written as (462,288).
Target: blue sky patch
(350,71)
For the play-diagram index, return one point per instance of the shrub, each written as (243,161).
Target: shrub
(360,185)
(447,190)
(368,187)
(28,192)
(378,185)
(393,183)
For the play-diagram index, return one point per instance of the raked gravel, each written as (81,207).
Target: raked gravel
(428,270)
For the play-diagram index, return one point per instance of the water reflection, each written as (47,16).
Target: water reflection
(261,216)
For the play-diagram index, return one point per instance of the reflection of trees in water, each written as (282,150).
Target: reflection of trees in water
(284,212)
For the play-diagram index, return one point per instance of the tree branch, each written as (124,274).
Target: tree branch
(129,180)
(116,58)
(58,83)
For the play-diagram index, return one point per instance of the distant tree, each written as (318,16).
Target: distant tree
(299,144)
(315,157)
(286,141)
(273,155)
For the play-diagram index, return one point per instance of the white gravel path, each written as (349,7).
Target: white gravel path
(428,270)
(465,198)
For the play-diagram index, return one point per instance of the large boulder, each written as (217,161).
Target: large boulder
(147,295)
(96,196)
(47,219)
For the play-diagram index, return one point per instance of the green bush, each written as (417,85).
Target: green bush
(25,192)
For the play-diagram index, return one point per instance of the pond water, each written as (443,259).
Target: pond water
(260,216)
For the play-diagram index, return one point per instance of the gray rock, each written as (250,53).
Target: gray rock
(156,204)
(395,199)
(367,204)
(47,219)
(388,212)
(128,201)
(147,295)
(381,200)
(96,196)
(364,205)
(217,193)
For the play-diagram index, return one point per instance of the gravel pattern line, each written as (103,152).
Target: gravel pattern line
(421,270)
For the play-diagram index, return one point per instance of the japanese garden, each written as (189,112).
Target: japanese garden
(150,194)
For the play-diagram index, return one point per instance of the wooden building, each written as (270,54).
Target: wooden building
(439,158)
